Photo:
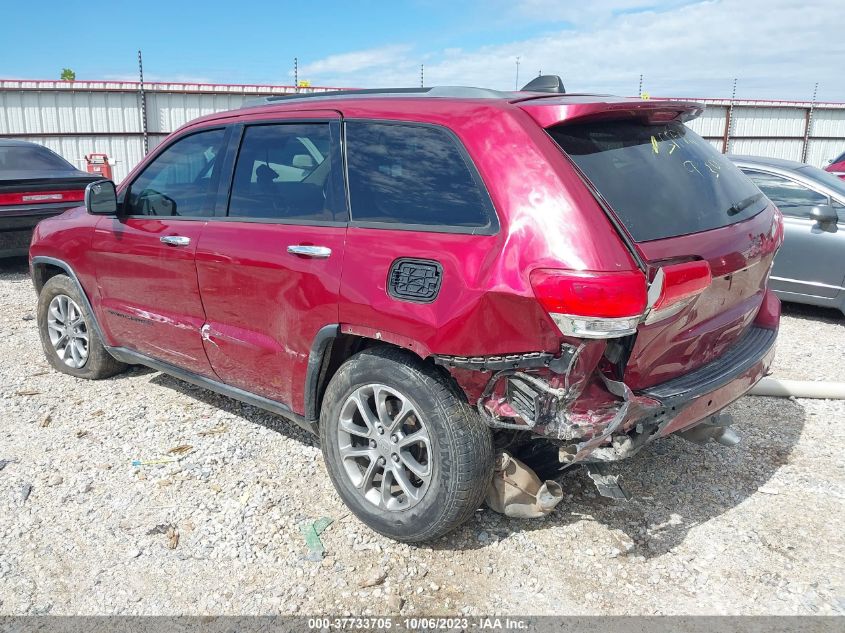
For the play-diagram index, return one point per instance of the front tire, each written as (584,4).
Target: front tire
(404,450)
(69,339)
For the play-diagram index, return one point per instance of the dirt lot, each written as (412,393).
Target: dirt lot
(755,529)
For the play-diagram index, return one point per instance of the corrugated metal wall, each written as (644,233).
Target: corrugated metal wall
(78,118)
(812,132)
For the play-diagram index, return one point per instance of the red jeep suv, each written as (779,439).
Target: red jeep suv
(423,277)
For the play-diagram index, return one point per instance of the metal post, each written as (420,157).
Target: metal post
(422,76)
(143,96)
(296,74)
(640,89)
(808,124)
(516,83)
(726,139)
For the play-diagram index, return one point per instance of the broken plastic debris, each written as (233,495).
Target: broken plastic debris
(311,531)
(517,492)
(607,485)
(152,462)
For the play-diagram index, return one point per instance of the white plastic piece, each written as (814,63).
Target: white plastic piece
(799,389)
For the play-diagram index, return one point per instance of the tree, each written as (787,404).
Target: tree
(68,75)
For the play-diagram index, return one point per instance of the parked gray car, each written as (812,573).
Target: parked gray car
(810,266)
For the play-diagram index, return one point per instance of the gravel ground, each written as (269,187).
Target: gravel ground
(755,529)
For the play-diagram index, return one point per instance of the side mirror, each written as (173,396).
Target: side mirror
(101,198)
(824,214)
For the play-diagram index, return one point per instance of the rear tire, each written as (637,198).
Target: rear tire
(421,463)
(68,336)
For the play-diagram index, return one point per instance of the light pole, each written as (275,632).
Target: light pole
(516,83)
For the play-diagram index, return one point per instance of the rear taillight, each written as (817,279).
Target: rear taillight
(589,304)
(674,286)
(41,197)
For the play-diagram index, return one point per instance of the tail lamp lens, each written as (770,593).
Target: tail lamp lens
(590,304)
(681,282)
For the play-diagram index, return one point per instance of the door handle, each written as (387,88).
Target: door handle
(175,240)
(316,252)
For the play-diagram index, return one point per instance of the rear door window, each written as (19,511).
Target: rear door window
(288,172)
(413,175)
(660,180)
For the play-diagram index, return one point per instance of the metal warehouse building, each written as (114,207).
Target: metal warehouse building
(76,118)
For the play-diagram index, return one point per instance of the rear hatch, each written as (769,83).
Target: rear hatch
(675,200)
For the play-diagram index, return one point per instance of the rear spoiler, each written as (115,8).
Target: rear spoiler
(551,111)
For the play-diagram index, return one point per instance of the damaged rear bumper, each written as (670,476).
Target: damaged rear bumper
(595,419)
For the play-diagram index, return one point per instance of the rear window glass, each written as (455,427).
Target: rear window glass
(411,174)
(32,158)
(661,180)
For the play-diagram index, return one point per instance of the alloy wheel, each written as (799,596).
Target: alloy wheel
(68,331)
(385,447)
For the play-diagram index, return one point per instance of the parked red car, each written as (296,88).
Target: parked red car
(422,275)
(837,166)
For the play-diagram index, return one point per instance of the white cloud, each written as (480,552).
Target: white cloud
(356,61)
(591,12)
(776,48)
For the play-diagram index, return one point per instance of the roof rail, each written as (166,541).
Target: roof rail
(454,92)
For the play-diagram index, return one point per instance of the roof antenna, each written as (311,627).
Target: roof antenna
(545,83)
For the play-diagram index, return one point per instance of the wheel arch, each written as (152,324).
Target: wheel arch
(42,268)
(333,345)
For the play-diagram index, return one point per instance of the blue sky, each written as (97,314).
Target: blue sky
(776,48)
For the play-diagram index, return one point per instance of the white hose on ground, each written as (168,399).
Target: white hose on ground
(799,388)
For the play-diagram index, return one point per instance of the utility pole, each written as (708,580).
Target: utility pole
(296,74)
(808,124)
(726,138)
(422,75)
(640,89)
(516,83)
(143,96)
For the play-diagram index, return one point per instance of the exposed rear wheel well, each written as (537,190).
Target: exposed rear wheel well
(341,349)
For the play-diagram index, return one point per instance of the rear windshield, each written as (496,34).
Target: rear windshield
(31,158)
(661,180)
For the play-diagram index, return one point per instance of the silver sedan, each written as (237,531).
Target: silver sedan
(810,267)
